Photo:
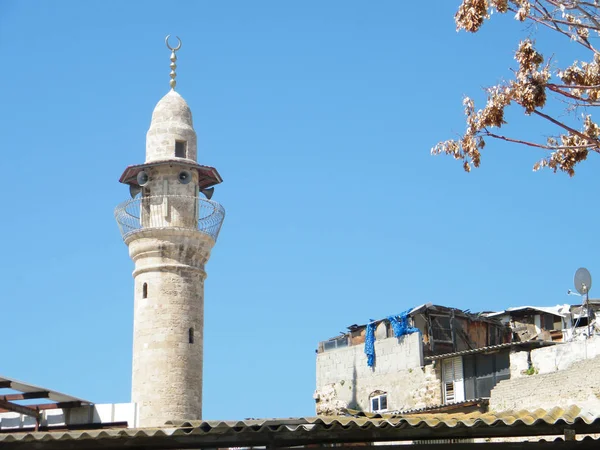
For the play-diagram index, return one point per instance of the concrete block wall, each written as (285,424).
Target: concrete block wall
(578,385)
(554,358)
(563,375)
(344,380)
(563,356)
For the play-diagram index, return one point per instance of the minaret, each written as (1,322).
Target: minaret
(170,231)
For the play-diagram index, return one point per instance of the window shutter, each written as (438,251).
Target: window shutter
(447,380)
(453,380)
(458,368)
(459,379)
(447,370)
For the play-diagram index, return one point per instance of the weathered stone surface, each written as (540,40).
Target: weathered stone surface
(561,375)
(519,364)
(171,121)
(563,356)
(169,255)
(167,367)
(345,380)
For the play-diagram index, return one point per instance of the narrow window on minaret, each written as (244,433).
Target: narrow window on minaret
(145,290)
(191,335)
(180,149)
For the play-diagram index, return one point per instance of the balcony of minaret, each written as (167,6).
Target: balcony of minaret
(168,195)
(169,211)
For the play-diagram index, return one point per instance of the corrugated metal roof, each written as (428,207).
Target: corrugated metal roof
(442,310)
(476,402)
(492,348)
(558,310)
(568,415)
(317,430)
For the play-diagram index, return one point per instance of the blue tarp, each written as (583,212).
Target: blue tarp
(370,344)
(399,325)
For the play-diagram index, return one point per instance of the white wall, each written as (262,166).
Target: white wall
(553,358)
(93,414)
(562,356)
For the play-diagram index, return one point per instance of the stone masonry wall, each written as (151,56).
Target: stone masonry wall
(344,380)
(578,385)
(171,121)
(562,375)
(168,323)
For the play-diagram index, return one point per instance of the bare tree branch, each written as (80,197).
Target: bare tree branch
(533,144)
(535,84)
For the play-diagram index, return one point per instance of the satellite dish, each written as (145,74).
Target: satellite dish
(134,190)
(583,281)
(142,178)
(208,192)
(185,177)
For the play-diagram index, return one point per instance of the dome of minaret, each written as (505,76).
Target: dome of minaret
(171,134)
(172,108)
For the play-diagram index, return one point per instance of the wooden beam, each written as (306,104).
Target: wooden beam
(26,410)
(71,427)
(44,406)
(25,396)
(60,405)
(5,384)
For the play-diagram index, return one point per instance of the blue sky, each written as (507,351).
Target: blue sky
(320,117)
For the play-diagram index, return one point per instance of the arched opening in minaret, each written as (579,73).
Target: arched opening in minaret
(180,149)
(145,290)
(191,335)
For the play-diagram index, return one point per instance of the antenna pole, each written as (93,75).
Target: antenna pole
(587,301)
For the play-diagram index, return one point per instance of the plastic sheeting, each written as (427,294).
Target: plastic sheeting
(370,344)
(400,324)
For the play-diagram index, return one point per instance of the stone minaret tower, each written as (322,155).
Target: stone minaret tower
(170,231)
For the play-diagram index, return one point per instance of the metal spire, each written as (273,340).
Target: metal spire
(173,66)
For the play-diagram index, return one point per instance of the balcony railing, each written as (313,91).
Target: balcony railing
(168,211)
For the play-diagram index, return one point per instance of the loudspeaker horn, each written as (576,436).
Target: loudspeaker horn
(208,192)
(134,190)
(185,177)
(143,178)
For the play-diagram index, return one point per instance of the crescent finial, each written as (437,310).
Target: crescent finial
(171,48)
(173,66)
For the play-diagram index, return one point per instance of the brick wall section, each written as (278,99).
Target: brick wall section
(345,380)
(578,385)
